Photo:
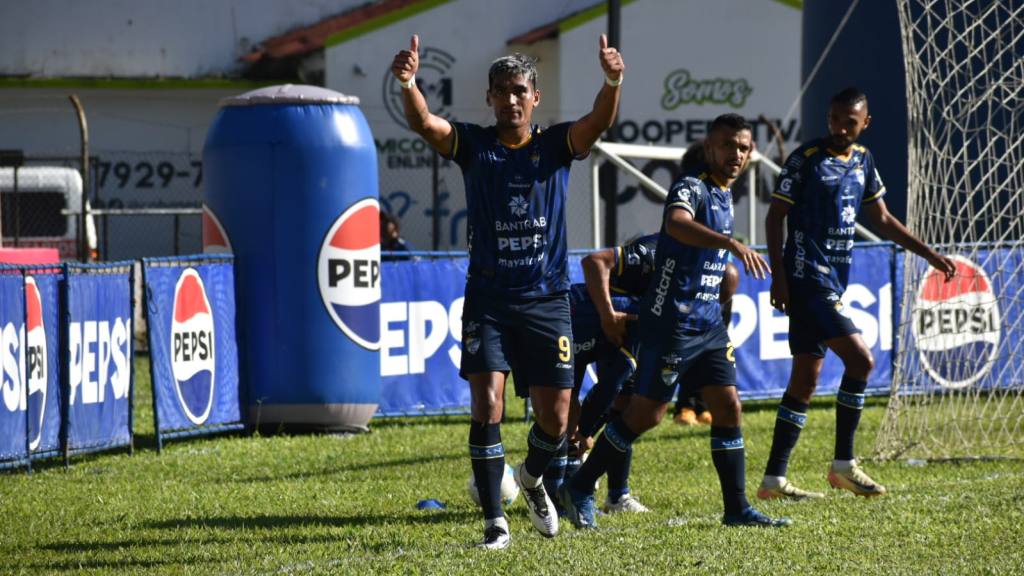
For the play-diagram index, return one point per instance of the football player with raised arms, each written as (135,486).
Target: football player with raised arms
(682,336)
(822,187)
(516,312)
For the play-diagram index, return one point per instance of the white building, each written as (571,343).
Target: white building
(150,75)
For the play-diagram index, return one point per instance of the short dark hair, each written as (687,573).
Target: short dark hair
(850,96)
(732,121)
(514,65)
(693,157)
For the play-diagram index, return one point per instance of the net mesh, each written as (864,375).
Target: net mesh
(960,369)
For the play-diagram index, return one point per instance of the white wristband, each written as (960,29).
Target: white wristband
(613,83)
(408,83)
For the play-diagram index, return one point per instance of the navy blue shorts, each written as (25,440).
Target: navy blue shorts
(691,361)
(591,346)
(531,338)
(814,317)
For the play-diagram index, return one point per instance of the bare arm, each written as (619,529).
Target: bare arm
(597,268)
(890,227)
(773,228)
(680,224)
(585,131)
(435,130)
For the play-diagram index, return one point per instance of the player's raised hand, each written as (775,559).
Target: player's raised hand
(944,264)
(611,60)
(407,62)
(753,263)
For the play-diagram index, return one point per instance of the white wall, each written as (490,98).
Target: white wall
(753,40)
(756,42)
(144,38)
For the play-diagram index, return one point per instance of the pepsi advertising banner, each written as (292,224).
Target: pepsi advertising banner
(963,333)
(13,391)
(761,334)
(421,329)
(99,356)
(42,359)
(421,335)
(190,307)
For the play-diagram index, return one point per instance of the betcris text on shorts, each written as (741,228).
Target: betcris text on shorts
(348,273)
(193,356)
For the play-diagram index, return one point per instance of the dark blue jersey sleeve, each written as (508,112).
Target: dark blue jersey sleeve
(465,140)
(555,143)
(873,187)
(634,264)
(791,178)
(687,193)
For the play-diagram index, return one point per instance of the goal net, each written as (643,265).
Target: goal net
(960,364)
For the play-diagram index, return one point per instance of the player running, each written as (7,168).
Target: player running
(682,336)
(516,310)
(822,187)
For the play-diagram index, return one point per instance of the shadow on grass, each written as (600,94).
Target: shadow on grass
(414,518)
(119,566)
(353,467)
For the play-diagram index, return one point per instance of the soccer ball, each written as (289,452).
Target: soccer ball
(509,488)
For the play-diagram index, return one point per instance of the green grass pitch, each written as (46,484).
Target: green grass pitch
(322,504)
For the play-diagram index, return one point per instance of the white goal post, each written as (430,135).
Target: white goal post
(617,154)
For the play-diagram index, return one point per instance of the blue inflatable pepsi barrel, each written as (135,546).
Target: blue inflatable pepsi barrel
(290,178)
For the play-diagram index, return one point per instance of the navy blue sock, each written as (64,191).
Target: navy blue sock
(611,447)
(555,473)
(618,472)
(789,421)
(573,461)
(487,456)
(728,455)
(541,448)
(618,476)
(849,404)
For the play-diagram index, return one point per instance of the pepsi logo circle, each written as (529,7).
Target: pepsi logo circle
(193,355)
(956,325)
(36,357)
(348,273)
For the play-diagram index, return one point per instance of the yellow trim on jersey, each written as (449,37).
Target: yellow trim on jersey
(568,140)
(877,195)
(685,205)
(860,148)
(843,157)
(717,183)
(455,142)
(632,360)
(787,199)
(516,146)
(810,151)
(618,258)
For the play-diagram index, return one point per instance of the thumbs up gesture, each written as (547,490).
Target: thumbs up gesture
(407,62)
(611,60)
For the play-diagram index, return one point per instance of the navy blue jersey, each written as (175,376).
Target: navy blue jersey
(628,280)
(515,201)
(634,265)
(683,293)
(826,192)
